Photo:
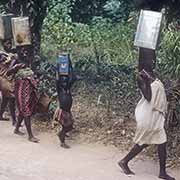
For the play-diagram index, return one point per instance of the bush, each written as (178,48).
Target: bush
(104,54)
(169,54)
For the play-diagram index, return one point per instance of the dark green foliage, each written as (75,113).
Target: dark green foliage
(84,10)
(172,7)
(118,10)
(169,61)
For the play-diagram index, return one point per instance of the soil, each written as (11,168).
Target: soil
(21,159)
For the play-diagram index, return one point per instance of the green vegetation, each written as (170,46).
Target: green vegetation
(99,34)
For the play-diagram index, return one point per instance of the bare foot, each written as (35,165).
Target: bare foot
(166,177)
(125,168)
(33,139)
(18,132)
(64,145)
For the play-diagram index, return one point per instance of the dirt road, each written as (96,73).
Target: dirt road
(23,160)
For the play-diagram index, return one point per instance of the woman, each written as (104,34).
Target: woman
(25,94)
(150,117)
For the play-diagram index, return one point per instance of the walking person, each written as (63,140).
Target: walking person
(25,94)
(150,117)
(64,82)
(8,99)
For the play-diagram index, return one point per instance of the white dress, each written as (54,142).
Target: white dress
(150,117)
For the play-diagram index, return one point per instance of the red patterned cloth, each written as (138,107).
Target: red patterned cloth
(26,98)
(63,117)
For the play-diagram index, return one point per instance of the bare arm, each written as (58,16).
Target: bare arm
(145,87)
(15,68)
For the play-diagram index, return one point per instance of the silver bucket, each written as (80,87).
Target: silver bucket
(148,29)
(5,26)
(21,31)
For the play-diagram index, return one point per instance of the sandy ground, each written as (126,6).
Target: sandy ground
(23,160)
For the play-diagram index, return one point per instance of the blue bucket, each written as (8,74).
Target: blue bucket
(63,64)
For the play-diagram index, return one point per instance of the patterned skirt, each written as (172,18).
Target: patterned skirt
(63,117)
(26,98)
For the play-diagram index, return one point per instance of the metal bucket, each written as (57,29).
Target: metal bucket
(148,29)
(5,26)
(21,31)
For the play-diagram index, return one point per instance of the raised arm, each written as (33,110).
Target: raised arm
(144,85)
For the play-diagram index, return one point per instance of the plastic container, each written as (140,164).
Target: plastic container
(63,64)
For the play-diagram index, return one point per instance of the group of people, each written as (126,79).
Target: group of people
(150,112)
(16,73)
(15,69)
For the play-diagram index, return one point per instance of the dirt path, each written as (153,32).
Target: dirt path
(22,160)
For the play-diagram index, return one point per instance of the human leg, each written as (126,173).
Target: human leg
(12,108)
(133,153)
(29,130)
(62,135)
(162,153)
(3,107)
(18,125)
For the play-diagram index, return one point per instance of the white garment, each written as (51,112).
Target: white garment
(150,117)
